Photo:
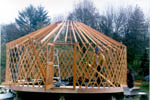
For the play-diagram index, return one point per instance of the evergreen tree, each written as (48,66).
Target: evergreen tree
(145,63)
(31,19)
(135,37)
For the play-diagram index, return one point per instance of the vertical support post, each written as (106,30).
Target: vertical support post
(49,75)
(74,65)
(49,67)
(125,66)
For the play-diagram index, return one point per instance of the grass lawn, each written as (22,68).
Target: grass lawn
(144,86)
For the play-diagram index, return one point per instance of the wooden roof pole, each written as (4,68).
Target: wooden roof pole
(73,32)
(43,32)
(85,33)
(91,37)
(80,38)
(40,36)
(102,39)
(59,32)
(51,33)
(25,38)
(66,31)
(81,33)
(95,37)
(105,37)
(22,38)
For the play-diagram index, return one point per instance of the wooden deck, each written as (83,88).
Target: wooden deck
(68,89)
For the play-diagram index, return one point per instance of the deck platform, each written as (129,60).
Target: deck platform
(68,89)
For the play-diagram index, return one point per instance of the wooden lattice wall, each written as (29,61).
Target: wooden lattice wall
(31,59)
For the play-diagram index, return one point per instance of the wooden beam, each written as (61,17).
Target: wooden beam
(96,42)
(63,43)
(51,33)
(74,65)
(80,37)
(42,35)
(81,33)
(67,90)
(25,38)
(59,32)
(67,31)
(49,75)
(93,37)
(73,32)
(106,37)
(101,39)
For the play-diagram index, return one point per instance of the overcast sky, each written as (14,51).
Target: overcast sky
(9,8)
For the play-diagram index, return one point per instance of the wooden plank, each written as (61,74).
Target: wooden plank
(25,38)
(52,53)
(86,33)
(95,37)
(70,36)
(50,67)
(105,41)
(80,37)
(59,32)
(67,31)
(98,37)
(50,44)
(63,43)
(106,37)
(81,33)
(90,36)
(67,90)
(73,32)
(51,33)
(100,90)
(49,75)
(42,35)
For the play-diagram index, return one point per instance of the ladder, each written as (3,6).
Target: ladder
(56,65)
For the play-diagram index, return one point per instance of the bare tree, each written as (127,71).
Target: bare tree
(9,32)
(85,12)
(58,18)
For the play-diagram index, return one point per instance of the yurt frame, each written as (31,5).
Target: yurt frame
(32,65)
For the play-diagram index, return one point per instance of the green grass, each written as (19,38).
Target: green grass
(144,87)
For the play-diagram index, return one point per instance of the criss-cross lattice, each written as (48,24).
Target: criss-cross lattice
(31,59)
